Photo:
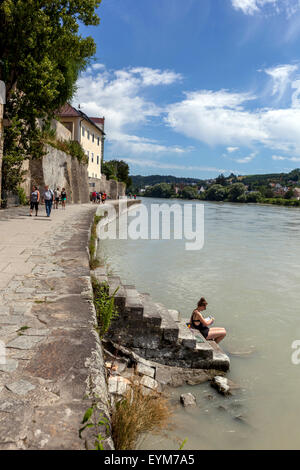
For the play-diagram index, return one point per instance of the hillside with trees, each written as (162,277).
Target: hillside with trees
(277,188)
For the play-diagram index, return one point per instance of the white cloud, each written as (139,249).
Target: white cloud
(232,149)
(224,118)
(171,166)
(247,159)
(281,78)
(119,97)
(290,159)
(156,77)
(216,118)
(250,7)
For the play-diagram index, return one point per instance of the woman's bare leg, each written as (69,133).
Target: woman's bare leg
(216,334)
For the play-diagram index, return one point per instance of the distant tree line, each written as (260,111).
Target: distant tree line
(247,189)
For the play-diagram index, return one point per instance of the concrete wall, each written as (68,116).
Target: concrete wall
(62,133)
(114,189)
(58,169)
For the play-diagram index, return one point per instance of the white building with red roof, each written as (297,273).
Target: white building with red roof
(89,132)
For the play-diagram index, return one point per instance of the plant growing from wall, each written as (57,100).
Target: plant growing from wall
(106,310)
(96,421)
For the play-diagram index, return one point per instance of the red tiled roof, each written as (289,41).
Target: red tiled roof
(68,110)
(98,120)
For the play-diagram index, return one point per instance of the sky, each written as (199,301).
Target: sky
(197,88)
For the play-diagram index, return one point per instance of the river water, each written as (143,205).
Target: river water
(248,270)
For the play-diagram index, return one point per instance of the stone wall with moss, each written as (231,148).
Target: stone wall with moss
(58,169)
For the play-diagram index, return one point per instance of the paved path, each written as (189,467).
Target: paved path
(45,326)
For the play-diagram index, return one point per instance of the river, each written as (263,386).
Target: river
(248,270)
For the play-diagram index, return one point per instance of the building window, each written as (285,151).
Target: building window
(93,138)
(83,131)
(98,140)
(88,134)
(88,154)
(97,159)
(92,158)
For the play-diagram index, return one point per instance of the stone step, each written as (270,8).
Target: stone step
(133,304)
(186,336)
(100,275)
(168,325)
(175,315)
(205,350)
(151,313)
(117,289)
(220,360)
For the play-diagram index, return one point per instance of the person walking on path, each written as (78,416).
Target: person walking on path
(56,198)
(48,199)
(94,197)
(63,197)
(103,198)
(34,200)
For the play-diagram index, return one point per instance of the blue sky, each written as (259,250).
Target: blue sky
(197,87)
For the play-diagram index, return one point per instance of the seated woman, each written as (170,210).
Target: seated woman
(199,323)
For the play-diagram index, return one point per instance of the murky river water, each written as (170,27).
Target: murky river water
(249,271)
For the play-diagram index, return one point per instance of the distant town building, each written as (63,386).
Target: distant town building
(89,132)
(297,193)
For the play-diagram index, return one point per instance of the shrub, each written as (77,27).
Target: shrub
(216,192)
(22,196)
(105,306)
(138,413)
(76,150)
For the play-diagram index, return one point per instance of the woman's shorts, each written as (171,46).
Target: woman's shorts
(34,205)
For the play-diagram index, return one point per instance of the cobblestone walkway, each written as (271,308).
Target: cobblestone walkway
(44,316)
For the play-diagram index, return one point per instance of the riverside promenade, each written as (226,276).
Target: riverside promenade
(50,355)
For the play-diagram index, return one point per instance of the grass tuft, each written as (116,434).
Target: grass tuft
(138,413)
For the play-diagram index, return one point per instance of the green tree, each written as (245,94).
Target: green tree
(41,56)
(189,192)
(118,170)
(216,192)
(254,196)
(221,180)
(235,191)
(163,190)
(289,194)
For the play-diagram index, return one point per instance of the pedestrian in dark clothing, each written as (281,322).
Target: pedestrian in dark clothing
(34,200)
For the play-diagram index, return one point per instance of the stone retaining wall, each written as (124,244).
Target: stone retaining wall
(114,189)
(58,169)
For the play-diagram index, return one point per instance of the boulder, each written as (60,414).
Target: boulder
(188,399)
(118,385)
(223,385)
(150,383)
(143,369)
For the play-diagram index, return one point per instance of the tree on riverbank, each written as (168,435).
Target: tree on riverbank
(41,55)
(116,170)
